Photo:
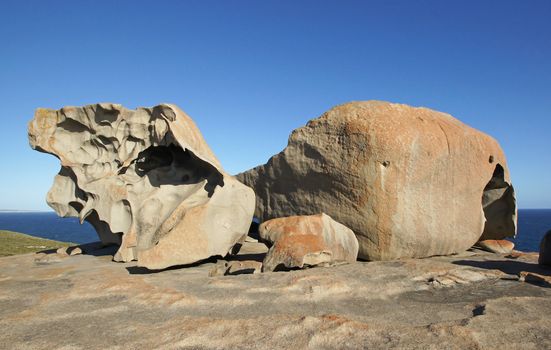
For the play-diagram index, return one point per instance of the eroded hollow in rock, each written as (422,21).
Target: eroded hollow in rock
(145,179)
(499,205)
(172,165)
(177,169)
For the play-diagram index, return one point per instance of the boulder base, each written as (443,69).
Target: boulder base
(499,246)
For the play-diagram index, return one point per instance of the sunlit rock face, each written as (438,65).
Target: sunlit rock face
(145,179)
(305,241)
(410,182)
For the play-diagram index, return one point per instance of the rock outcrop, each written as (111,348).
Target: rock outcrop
(145,179)
(300,241)
(410,182)
(474,300)
(545,250)
(499,246)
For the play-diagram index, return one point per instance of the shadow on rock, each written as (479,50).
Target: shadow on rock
(98,249)
(509,267)
(138,270)
(47,251)
(93,248)
(249,256)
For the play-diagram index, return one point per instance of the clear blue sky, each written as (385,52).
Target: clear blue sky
(249,72)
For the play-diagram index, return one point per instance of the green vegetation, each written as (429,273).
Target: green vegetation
(12,243)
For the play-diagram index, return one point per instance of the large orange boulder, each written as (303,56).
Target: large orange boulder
(305,241)
(410,182)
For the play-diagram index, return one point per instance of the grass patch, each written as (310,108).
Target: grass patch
(12,243)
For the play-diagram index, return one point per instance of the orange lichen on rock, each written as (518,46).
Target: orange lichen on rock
(410,182)
(300,241)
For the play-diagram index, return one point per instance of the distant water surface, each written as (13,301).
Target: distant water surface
(532,225)
(48,225)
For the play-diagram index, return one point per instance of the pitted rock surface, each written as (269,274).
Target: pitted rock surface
(145,179)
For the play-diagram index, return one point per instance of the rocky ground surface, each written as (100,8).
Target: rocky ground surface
(476,300)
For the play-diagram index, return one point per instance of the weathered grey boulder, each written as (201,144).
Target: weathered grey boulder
(410,182)
(145,179)
(545,250)
(299,241)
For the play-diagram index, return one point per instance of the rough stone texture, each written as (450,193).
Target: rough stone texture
(236,267)
(299,241)
(66,251)
(499,246)
(243,267)
(470,301)
(62,251)
(536,278)
(545,249)
(410,182)
(145,179)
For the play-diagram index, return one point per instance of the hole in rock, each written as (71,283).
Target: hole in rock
(253,228)
(172,165)
(102,228)
(479,310)
(105,116)
(77,206)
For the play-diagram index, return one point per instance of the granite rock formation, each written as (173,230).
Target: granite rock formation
(410,182)
(145,179)
(474,300)
(300,241)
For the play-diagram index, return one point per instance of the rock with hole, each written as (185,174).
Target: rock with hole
(410,182)
(145,179)
(305,241)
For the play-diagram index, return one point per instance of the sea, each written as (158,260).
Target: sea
(532,225)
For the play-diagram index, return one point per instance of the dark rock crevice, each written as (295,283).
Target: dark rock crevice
(499,205)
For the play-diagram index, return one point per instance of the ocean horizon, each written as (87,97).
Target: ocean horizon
(532,225)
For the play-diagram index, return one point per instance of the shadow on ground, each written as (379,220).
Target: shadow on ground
(510,267)
(93,248)
(98,249)
(138,270)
